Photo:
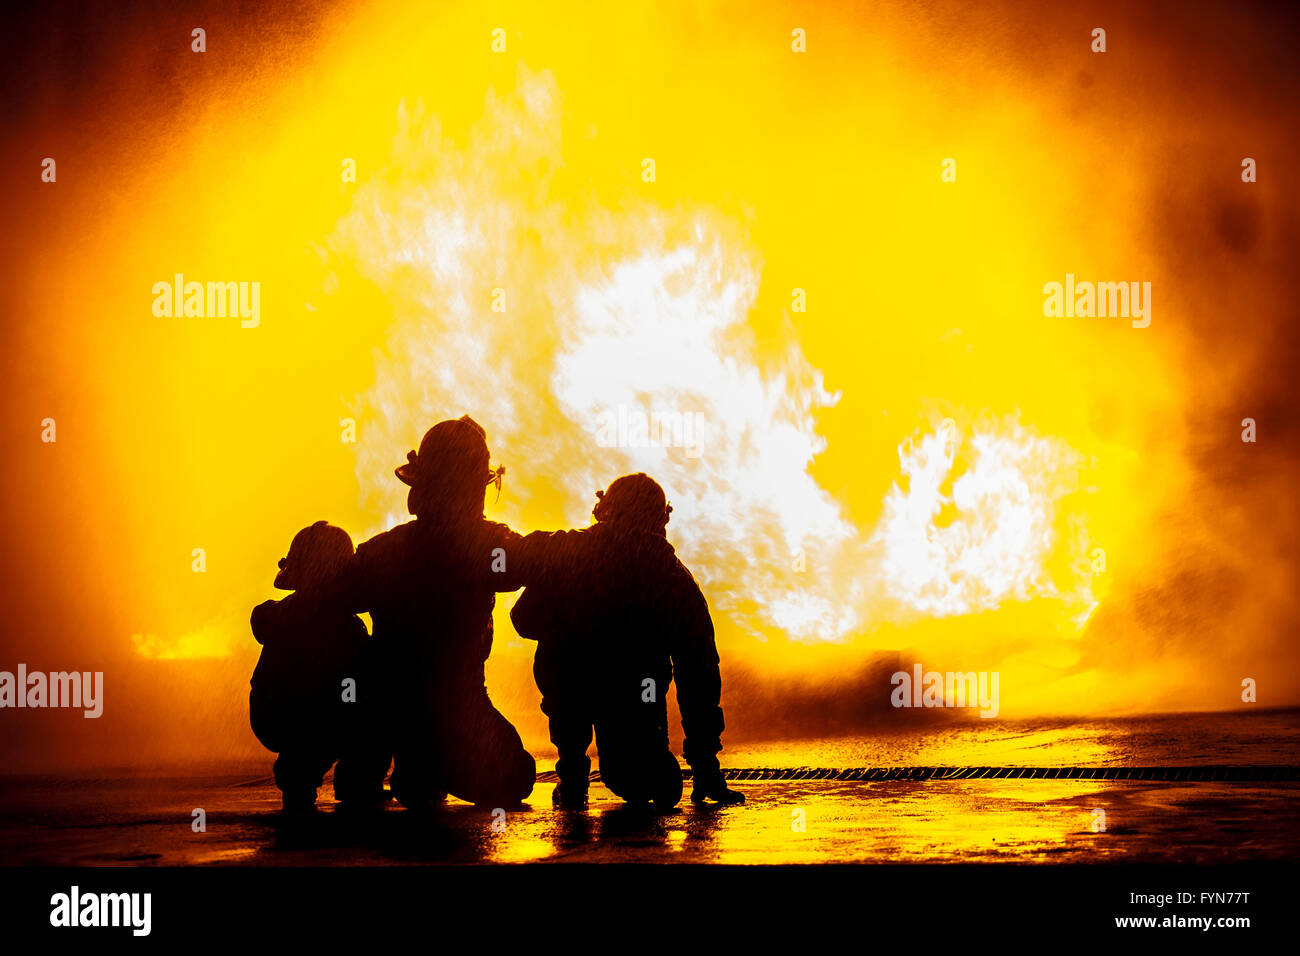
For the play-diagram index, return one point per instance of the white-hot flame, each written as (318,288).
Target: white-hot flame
(977,522)
(646,310)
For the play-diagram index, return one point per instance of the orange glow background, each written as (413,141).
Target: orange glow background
(945,457)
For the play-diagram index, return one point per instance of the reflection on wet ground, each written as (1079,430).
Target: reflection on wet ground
(149,822)
(1269,738)
(125,820)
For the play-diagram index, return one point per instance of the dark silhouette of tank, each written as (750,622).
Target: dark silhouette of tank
(430,586)
(298,705)
(617,617)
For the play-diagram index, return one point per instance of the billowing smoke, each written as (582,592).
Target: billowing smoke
(970,484)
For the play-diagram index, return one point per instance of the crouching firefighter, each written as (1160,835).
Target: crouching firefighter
(430,585)
(617,617)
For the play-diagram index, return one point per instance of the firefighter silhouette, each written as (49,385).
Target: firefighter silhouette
(298,703)
(430,586)
(616,617)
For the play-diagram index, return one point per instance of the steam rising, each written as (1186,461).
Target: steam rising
(967,545)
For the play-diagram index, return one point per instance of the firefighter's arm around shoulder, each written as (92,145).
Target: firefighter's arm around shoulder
(540,557)
(541,560)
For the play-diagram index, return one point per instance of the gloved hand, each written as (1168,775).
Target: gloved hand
(713,786)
